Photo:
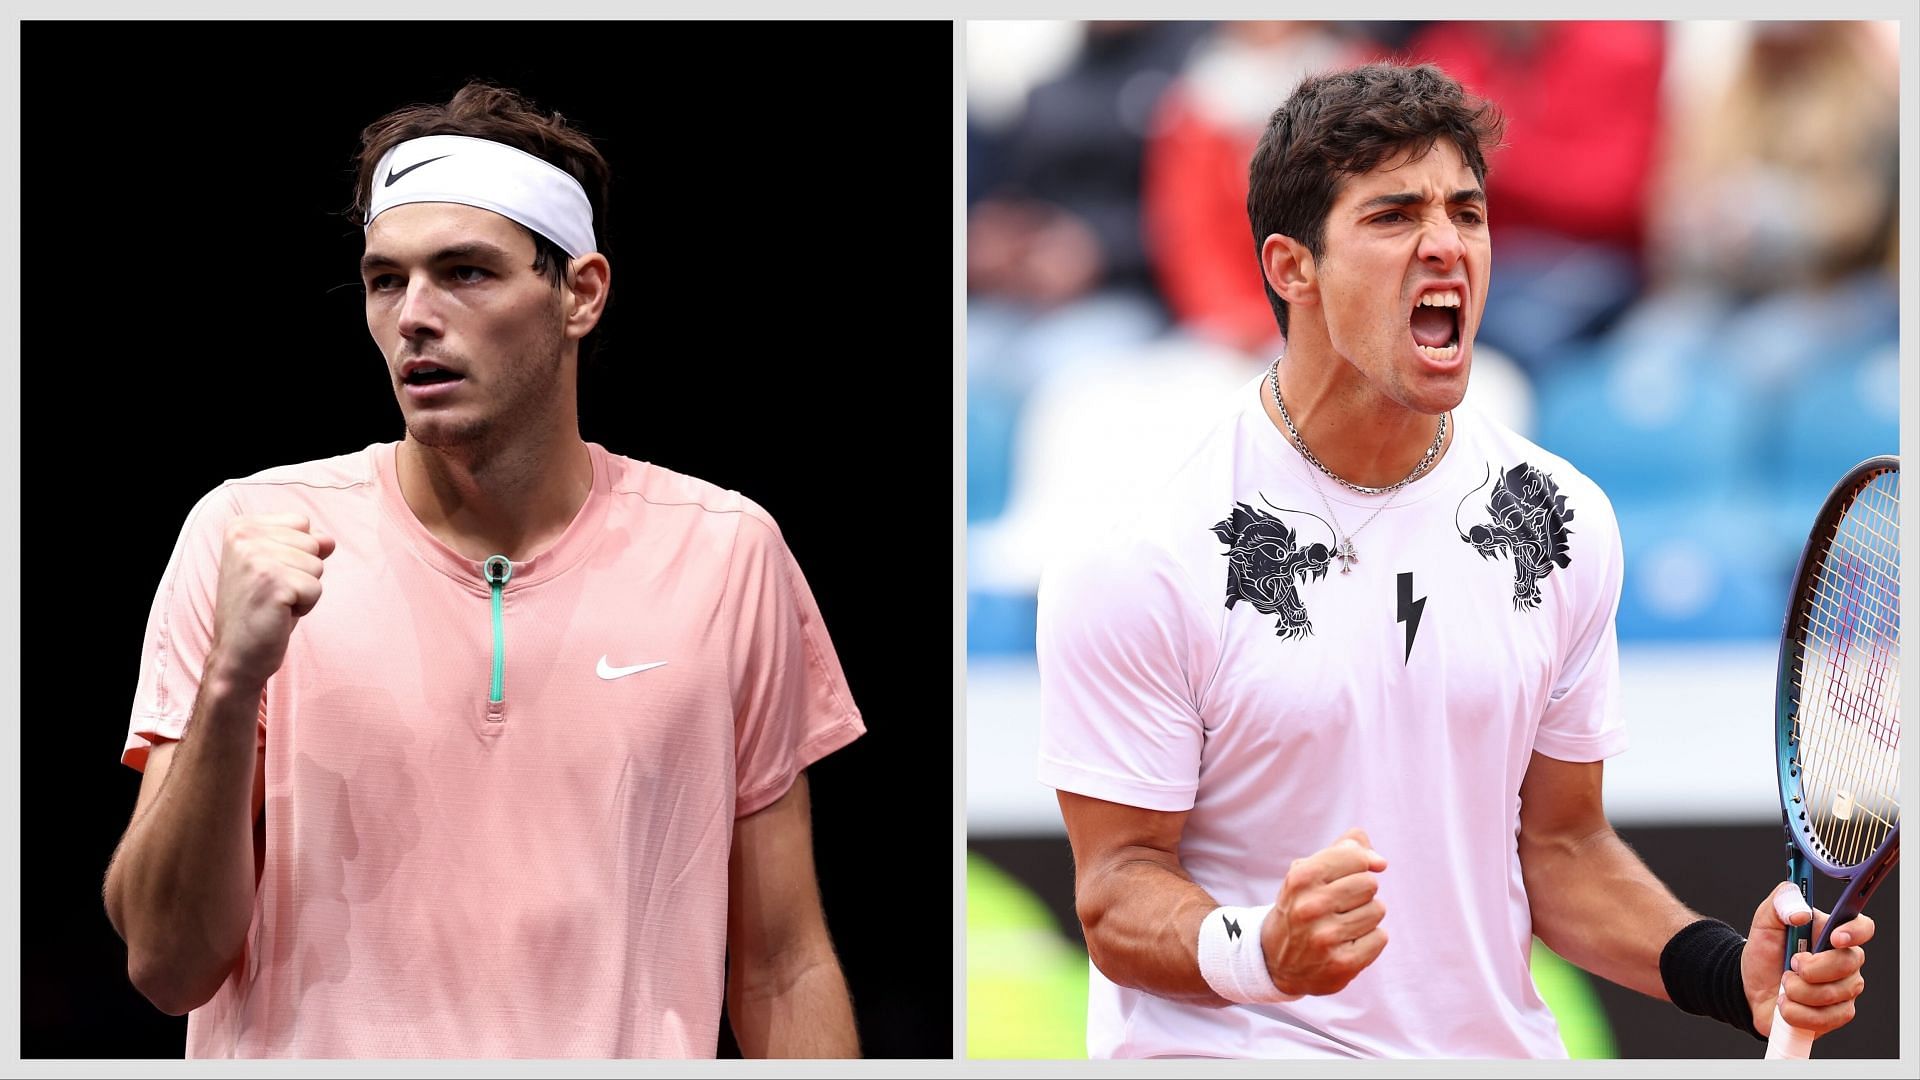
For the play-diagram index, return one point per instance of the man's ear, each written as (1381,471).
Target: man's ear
(586,293)
(1290,270)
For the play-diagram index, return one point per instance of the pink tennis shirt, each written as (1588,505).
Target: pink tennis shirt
(537,872)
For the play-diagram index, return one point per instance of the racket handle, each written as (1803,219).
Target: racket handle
(1788,1041)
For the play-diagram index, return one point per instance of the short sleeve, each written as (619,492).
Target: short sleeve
(792,706)
(1582,720)
(1118,712)
(179,631)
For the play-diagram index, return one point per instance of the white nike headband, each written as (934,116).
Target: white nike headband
(492,176)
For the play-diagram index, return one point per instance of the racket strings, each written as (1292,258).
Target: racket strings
(1847,723)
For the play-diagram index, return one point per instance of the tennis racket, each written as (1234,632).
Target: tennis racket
(1837,706)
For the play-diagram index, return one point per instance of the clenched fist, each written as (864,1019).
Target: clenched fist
(1325,925)
(269,577)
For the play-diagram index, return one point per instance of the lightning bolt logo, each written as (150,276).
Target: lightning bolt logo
(1233,928)
(1409,612)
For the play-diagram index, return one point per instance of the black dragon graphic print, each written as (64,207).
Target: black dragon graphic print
(1263,562)
(1529,524)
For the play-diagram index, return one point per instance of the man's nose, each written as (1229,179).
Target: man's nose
(1441,245)
(418,311)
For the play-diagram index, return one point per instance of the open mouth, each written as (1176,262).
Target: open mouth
(428,375)
(1435,324)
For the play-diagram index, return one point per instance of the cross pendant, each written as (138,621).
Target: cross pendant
(1346,555)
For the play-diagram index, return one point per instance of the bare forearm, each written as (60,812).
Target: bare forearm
(1142,920)
(802,1011)
(1596,904)
(181,887)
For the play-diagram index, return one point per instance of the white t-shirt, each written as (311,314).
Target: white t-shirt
(1209,655)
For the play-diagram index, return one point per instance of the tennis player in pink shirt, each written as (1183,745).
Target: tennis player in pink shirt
(486,743)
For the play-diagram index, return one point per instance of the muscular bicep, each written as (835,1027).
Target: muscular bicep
(786,995)
(773,899)
(1140,910)
(1560,802)
(1102,832)
(1110,840)
(1593,901)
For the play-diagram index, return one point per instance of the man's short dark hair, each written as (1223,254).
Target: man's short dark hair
(1346,123)
(481,110)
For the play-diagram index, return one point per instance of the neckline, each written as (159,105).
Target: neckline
(1280,451)
(572,546)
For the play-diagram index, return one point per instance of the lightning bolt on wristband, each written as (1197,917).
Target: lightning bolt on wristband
(1233,961)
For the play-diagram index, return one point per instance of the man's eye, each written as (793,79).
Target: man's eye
(1471,217)
(1391,216)
(381,282)
(468,274)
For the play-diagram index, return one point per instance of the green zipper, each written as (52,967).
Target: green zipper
(498,570)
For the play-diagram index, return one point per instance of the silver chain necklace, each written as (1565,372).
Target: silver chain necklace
(1344,545)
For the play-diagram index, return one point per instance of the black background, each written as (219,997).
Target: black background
(781,324)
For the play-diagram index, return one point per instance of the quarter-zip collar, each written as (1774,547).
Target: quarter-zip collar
(573,546)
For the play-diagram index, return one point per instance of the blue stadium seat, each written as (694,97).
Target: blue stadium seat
(1716,566)
(993,416)
(1647,427)
(1835,417)
(1000,624)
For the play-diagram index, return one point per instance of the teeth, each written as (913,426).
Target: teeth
(1450,298)
(1442,354)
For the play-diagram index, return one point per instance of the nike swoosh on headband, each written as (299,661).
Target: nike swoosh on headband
(492,176)
(392,176)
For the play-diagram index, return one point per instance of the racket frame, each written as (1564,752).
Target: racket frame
(1803,852)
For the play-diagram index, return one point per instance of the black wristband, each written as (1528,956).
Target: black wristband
(1701,969)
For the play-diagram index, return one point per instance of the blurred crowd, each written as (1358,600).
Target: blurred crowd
(1693,293)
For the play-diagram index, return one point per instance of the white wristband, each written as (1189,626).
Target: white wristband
(1232,959)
